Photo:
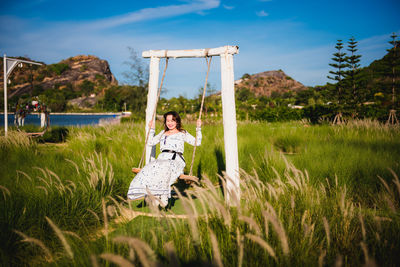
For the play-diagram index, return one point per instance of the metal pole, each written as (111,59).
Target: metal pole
(5,95)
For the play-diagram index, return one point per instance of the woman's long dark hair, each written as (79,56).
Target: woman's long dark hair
(175,117)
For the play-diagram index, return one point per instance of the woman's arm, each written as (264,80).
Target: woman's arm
(154,140)
(192,140)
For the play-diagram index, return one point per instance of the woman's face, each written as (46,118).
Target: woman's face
(170,122)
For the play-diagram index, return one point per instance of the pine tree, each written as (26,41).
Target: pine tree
(394,60)
(340,65)
(393,56)
(354,69)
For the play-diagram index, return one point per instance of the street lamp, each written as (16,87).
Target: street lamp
(9,64)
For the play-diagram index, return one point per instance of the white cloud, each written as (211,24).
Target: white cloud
(228,7)
(262,13)
(155,13)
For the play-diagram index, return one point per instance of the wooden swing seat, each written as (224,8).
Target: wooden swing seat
(187,178)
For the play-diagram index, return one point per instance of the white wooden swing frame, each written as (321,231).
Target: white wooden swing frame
(228,106)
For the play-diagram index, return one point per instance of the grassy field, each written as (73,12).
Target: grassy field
(310,195)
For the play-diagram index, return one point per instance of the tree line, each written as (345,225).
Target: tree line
(355,92)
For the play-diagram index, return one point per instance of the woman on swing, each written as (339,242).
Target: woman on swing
(158,175)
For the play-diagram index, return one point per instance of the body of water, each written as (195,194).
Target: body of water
(62,119)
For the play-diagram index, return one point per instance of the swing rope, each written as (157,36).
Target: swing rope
(201,110)
(155,110)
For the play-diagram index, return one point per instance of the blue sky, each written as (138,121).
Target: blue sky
(295,36)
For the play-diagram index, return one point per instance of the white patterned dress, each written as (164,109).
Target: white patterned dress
(158,175)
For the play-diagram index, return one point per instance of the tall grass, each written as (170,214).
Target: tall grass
(310,195)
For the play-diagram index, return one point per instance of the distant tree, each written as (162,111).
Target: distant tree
(210,89)
(116,97)
(340,66)
(353,61)
(138,73)
(86,87)
(246,76)
(393,61)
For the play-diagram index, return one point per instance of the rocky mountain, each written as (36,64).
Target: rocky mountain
(268,82)
(81,75)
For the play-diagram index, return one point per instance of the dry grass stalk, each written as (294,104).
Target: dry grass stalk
(339,261)
(145,254)
(72,234)
(94,214)
(37,242)
(232,194)
(388,189)
(24,174)
(117,205)
(98,171)
(171,254)
(192,204)
(363,232)
(278,227)
(239,240)
(192,219)
(93,260)
(224,211)
(118,260)
(378,220)
(51,173)
(17,139)
(202,197)
(154,236)
(262,243)
(5,191)
(266,224)
(216,253)
(346,207)
(74,164)
(103,204)
(327,231)
(272,192)
(209,185)
(396,181)
(321,258)
(43,188)
(365,251)
(309,232)
(111,210)
(252,223)
(45,175)
(292,203)
(304,217)
(62,238)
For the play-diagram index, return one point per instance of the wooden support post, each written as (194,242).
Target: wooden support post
(230,129)
(151,102)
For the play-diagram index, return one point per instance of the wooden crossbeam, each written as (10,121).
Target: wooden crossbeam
(228,49)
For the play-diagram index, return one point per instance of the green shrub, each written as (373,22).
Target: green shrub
(55,135)
(59,68)
(317,112)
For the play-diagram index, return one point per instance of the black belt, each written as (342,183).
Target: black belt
(175,152)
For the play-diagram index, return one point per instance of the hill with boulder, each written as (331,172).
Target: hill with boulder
(78,76)
(269,82)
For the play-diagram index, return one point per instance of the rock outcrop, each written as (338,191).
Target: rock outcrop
(265,83)
(70,73)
